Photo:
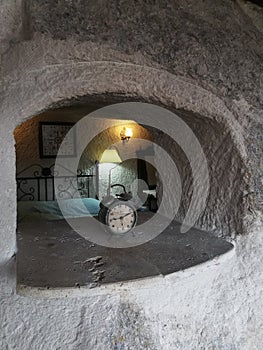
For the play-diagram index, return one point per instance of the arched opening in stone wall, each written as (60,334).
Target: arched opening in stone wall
(61,266)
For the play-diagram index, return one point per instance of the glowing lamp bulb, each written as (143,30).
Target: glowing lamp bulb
(126,134)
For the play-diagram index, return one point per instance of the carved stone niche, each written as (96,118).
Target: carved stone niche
(52,254)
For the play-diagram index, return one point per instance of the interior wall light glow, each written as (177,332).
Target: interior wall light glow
(126,134)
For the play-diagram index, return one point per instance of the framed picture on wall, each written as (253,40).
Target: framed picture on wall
(51,135)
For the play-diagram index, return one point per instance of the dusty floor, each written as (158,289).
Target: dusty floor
(51,254)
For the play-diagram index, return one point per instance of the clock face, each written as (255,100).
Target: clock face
(121,218)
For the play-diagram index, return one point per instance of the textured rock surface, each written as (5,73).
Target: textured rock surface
(191,56)
(182,43)
(212,306)
(226,171)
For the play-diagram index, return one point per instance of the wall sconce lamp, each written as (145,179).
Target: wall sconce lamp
(126,134)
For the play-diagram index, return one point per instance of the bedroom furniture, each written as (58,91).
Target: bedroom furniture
(36,183)
(37,198)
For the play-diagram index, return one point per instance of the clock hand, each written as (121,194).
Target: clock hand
(121,217)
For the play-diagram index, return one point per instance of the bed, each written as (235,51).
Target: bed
(37,198)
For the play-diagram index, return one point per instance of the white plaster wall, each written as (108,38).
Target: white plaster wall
(217,305)
(119,175)
(214,306)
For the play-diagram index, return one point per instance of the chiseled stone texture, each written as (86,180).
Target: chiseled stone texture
(191,56)
(226,202)
(193,39)
(212,306)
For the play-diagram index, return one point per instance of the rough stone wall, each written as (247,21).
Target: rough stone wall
(186,55)
(225,206)
(202,45)
(194,39)
(214,306)
(255,149)
(27,139)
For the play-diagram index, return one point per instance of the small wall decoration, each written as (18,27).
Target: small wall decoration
(51,134)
